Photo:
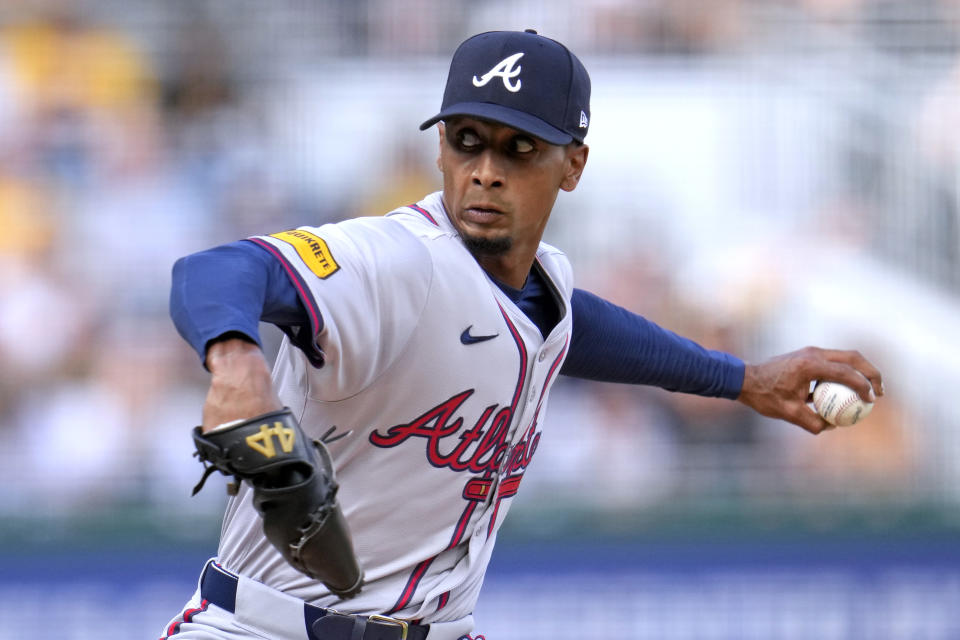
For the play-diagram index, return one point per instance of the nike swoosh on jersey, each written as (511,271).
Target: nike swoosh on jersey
(467,338)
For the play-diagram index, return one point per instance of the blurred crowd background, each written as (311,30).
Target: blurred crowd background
(763,175)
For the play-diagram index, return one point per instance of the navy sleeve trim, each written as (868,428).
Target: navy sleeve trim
(612,344)
(303,291)
(201,314)
(306,342)
(231,288)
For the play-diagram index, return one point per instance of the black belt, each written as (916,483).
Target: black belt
(220,588)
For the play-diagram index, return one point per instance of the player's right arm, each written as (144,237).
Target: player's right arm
(240,383)
(352,320)
(217,299)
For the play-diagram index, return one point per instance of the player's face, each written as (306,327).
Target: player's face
(499,186)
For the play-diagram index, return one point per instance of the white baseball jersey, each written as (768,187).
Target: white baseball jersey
(442,381)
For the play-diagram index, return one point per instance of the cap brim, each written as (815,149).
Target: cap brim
(518,120)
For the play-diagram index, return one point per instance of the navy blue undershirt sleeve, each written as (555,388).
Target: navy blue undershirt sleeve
(231,288)
(612,344)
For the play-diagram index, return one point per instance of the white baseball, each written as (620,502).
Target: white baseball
(839,404)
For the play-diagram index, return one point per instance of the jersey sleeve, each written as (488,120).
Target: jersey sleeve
(229,289)
(612,344)
(366,281)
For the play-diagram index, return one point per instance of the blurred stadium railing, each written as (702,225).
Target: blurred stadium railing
(763,175)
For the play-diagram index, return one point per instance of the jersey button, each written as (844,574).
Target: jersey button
(542,356)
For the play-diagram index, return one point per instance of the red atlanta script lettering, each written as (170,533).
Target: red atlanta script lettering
(489,435)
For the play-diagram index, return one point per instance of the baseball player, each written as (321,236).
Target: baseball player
(373,467)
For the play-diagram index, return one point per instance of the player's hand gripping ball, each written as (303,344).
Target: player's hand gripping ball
(839,404)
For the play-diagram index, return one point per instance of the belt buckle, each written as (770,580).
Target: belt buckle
(403,624)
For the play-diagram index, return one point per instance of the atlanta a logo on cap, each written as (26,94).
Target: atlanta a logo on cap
(505,71)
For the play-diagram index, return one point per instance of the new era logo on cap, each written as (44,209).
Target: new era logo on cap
(520,79)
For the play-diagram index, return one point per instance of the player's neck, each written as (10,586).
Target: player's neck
(509,269)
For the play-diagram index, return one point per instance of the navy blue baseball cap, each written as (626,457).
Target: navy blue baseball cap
(520,79)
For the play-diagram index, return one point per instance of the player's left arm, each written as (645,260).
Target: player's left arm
(612,344)
(780,387)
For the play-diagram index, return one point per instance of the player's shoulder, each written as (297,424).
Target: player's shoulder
(356,244)
(378,239)
(378,227)
(427,218)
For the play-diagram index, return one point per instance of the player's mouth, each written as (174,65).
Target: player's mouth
(482,214)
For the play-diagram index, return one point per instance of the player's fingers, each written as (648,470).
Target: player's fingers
(806,418)
(856,360)
(820,366)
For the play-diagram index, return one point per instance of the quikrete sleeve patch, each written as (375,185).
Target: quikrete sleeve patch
(312,250)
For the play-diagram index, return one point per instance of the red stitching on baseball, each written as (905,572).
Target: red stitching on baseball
(849,402)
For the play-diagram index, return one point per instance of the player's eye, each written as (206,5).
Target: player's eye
(522,144)
(468,139)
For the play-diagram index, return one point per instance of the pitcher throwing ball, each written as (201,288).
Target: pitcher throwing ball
(372,469)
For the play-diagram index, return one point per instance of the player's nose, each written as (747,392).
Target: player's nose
(487,170)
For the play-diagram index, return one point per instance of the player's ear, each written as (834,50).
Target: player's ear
(440,129)
(575,162)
